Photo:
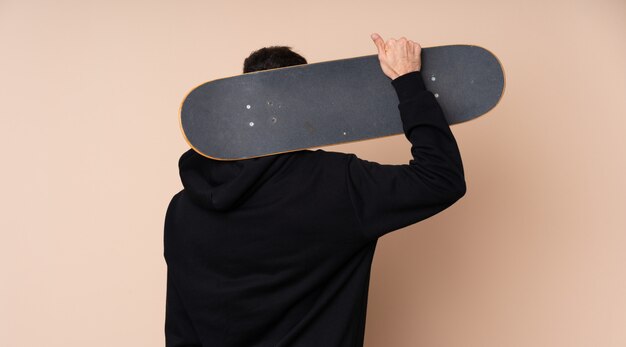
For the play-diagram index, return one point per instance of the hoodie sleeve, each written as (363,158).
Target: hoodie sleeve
(389,197)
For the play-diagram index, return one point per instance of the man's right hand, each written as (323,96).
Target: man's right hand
(398,57)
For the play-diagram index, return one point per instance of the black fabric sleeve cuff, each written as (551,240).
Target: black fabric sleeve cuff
(408,85)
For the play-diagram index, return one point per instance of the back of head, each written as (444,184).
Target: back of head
(271,58)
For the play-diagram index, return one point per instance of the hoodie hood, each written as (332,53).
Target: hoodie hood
(221,185)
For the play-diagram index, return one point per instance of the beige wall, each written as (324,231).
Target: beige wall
(533,255)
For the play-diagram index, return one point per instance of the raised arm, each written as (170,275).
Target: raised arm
(389,197)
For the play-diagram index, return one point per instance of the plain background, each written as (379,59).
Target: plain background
(533,255)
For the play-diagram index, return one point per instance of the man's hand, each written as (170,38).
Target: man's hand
(398,57)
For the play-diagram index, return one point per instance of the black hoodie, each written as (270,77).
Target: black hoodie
(276,251)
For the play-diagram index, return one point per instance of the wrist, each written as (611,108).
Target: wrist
(402,73)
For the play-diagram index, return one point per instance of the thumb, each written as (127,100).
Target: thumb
(379,42)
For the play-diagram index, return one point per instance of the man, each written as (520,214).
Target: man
(277,250)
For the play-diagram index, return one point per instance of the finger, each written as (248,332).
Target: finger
(403,43)
(379,42)
(416,47)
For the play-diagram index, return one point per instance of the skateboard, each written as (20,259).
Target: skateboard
(305,106)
